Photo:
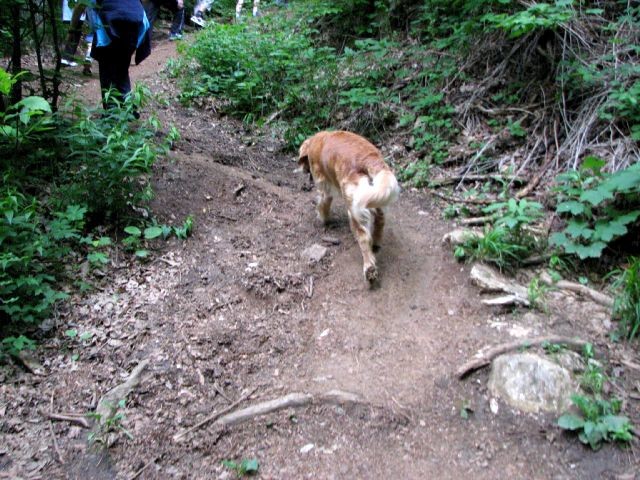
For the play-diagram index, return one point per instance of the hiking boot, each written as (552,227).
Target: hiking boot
(198,20)
(68,63)
(175,36)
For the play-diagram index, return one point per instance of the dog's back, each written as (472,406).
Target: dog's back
(351,164)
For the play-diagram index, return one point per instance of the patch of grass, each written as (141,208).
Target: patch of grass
(245,467)
(626,307)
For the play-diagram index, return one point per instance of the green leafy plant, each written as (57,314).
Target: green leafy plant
(553,348)
(515,215)
(588,199)
(592,379)
(14,345)
(535,16)
(536,292)
(597,422)
(245,467)
(110,157)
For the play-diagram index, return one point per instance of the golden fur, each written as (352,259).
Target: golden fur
(349,164)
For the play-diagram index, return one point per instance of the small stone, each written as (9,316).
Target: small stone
(314,253)
(493,406)
(307,448)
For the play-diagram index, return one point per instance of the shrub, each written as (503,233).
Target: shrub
(626,307)
(589,198)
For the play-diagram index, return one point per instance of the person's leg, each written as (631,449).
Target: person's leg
(256,7)
(113,67)
(73,35)
(178,20)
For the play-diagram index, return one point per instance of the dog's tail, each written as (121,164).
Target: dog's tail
(384,190)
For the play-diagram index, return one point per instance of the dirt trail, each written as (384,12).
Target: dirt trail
(237,307)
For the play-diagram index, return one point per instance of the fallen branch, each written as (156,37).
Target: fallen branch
(179,436)
(482,359)
(479,220)
(598,297)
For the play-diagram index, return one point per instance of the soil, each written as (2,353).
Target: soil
(238,307)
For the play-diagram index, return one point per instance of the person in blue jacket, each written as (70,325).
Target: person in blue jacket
(121,28)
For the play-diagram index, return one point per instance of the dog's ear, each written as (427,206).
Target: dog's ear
(303,157)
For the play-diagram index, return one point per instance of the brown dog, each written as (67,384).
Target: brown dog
(347,163)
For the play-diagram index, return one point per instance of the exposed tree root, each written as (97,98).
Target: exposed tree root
(598,297)
(108,404)
(482,359)
(292,400)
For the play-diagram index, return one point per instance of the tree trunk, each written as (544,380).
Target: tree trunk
(16,52)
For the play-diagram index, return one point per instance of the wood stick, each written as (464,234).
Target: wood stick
(526,191)
(479,220)
(485,358)
(215,415)
(596,296)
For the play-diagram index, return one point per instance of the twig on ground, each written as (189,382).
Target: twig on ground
(146,465)
(485,358)
(598,297)
(220,392)
(55,443)
(179,436)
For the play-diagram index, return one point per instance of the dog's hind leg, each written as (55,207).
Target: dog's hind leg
(324,201)
(378,227)
(363,236)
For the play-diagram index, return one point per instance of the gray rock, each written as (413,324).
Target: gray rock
(314,253)
(531,383)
